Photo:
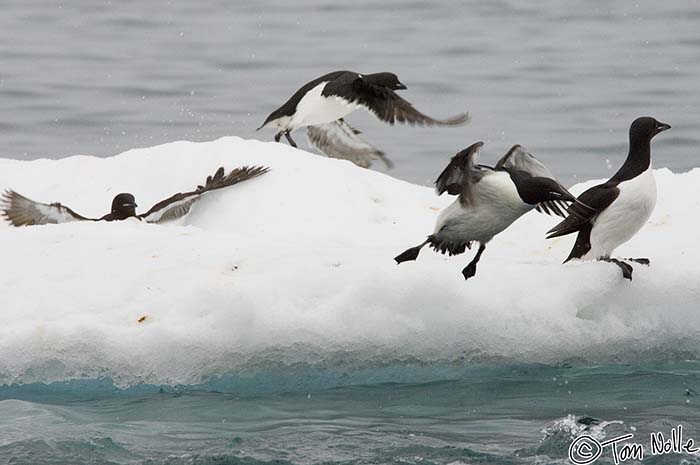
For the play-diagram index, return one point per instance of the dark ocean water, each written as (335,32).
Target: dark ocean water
(506,414)
(565,80)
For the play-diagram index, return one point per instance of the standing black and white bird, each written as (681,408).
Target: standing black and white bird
(619,207)
(21,211)
(321,104)
(490,200)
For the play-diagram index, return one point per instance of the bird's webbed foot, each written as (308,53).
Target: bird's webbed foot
(641,261)
(624,266)
(410,254)
(470,270)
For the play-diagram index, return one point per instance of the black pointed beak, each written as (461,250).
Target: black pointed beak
(663,127)
(400,86)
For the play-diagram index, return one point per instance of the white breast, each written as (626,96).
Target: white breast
(496,205)
(315,109)
(625,217)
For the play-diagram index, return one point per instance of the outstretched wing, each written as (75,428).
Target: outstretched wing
(179,204)
(520,159)
(384,103)
(340,140)
(461,174)
(21,211)
(588,206)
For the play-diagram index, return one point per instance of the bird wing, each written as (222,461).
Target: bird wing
(340,140)
(21,211)
(384,103)
(461,174)
(178,205)
(520,159)
(589,205)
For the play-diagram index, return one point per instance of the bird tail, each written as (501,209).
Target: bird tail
(582,245)
(575,221)
(569,225)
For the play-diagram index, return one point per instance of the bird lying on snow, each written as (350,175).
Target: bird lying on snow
(321,104)
(489,200)
(619,207)
(21,211)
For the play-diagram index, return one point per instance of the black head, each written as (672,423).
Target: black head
(124,206)
(646,127)
(279,113)
(388,80)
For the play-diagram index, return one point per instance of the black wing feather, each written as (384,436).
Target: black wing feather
(179,204)
(22,211)
(384,102)
(535,180)
(461,174)
(582,213)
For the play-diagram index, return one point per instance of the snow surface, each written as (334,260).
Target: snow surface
(297,267)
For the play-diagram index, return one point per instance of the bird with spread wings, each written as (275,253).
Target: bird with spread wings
(22,211)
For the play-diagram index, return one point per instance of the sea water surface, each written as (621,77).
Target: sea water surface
(565,80)
(482,414)
(86,77)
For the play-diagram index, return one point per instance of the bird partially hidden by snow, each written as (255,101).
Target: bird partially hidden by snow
(321,105)
(21,211)
(489,200)
(617,209)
